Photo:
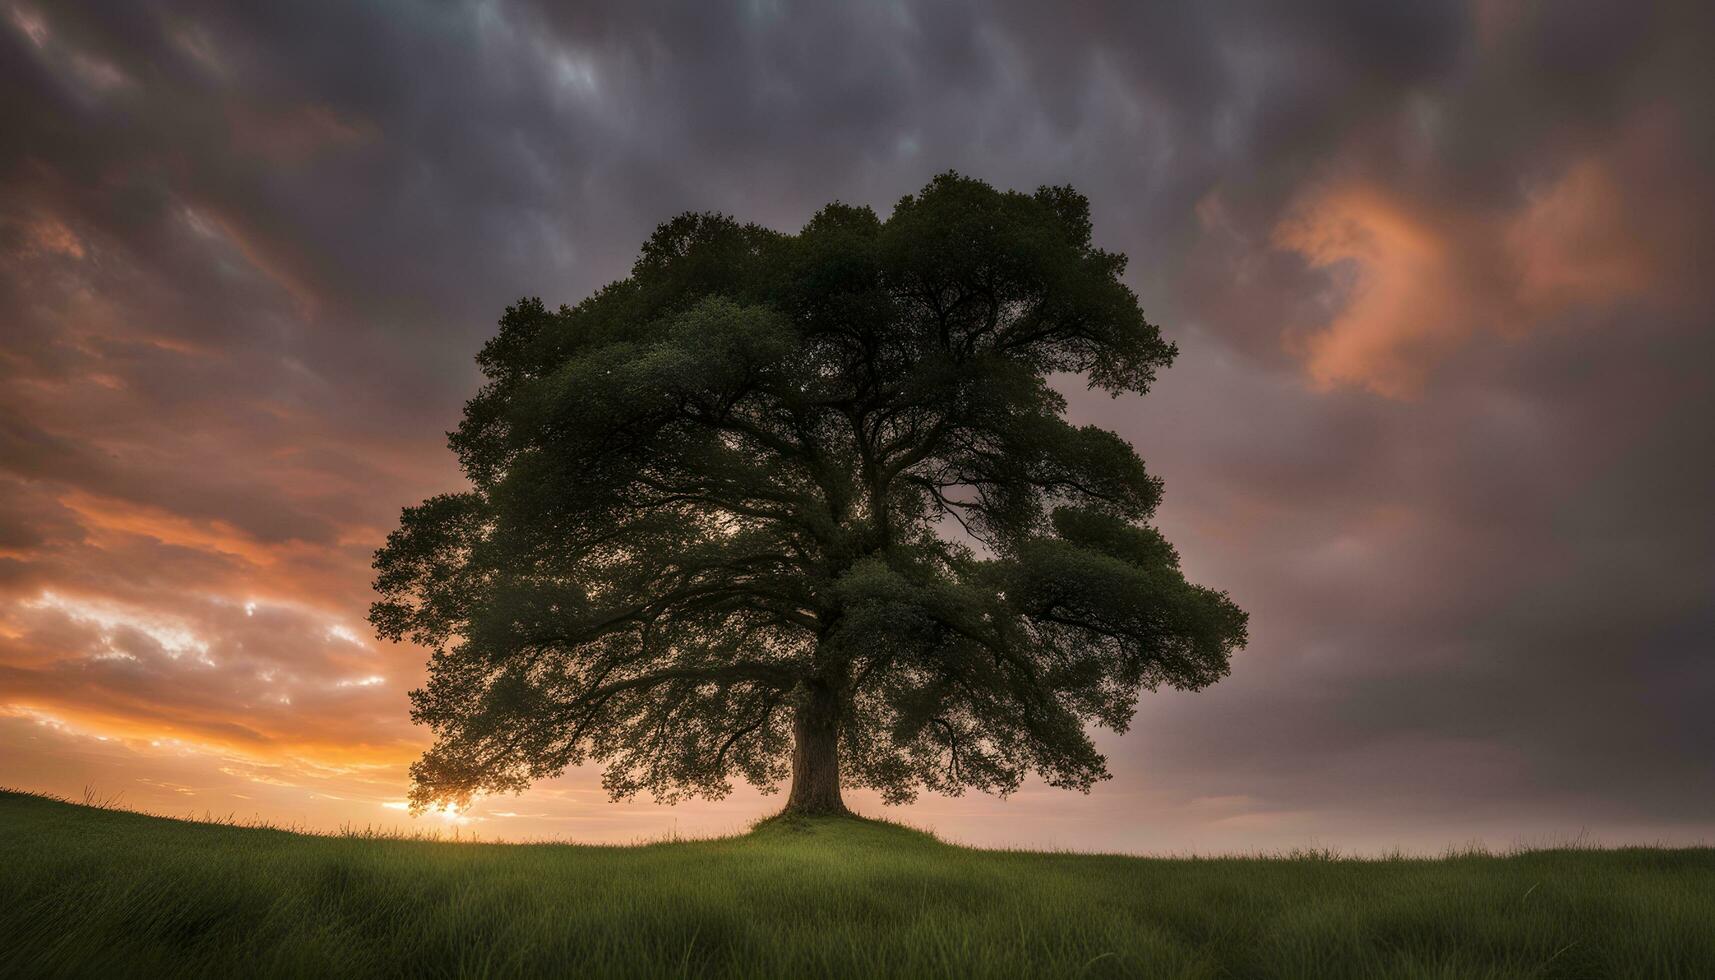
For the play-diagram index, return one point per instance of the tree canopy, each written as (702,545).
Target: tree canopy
(805,506)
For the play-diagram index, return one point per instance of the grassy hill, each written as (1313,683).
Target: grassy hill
(92,892)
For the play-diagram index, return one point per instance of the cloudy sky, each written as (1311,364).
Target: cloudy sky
(1439,275)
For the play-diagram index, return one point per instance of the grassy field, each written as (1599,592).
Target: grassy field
(92,892)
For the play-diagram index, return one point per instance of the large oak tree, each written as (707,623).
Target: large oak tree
(805,506)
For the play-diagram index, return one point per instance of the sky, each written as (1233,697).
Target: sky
(1441,420)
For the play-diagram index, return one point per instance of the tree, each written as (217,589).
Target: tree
(805,506)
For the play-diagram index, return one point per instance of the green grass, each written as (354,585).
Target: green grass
(96,892)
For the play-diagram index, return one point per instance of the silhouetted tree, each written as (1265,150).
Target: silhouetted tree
(805,505)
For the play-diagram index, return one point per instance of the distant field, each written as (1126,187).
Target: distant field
(90,892)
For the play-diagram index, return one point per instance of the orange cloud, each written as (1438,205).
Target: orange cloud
(1414,283)
(48,235)
(1572,243)
(106,514)
(1404,300)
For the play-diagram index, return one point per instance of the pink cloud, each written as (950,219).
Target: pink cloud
(1414,279)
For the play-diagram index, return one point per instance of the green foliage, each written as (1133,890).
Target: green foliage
(99,894)
(768,472)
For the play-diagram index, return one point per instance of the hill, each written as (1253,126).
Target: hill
(95,892)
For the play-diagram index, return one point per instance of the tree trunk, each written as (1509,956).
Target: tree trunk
(816,753)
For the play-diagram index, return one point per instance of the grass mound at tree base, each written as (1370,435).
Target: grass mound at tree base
(93,892)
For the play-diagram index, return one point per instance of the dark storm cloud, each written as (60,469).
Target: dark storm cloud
(1439,420)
